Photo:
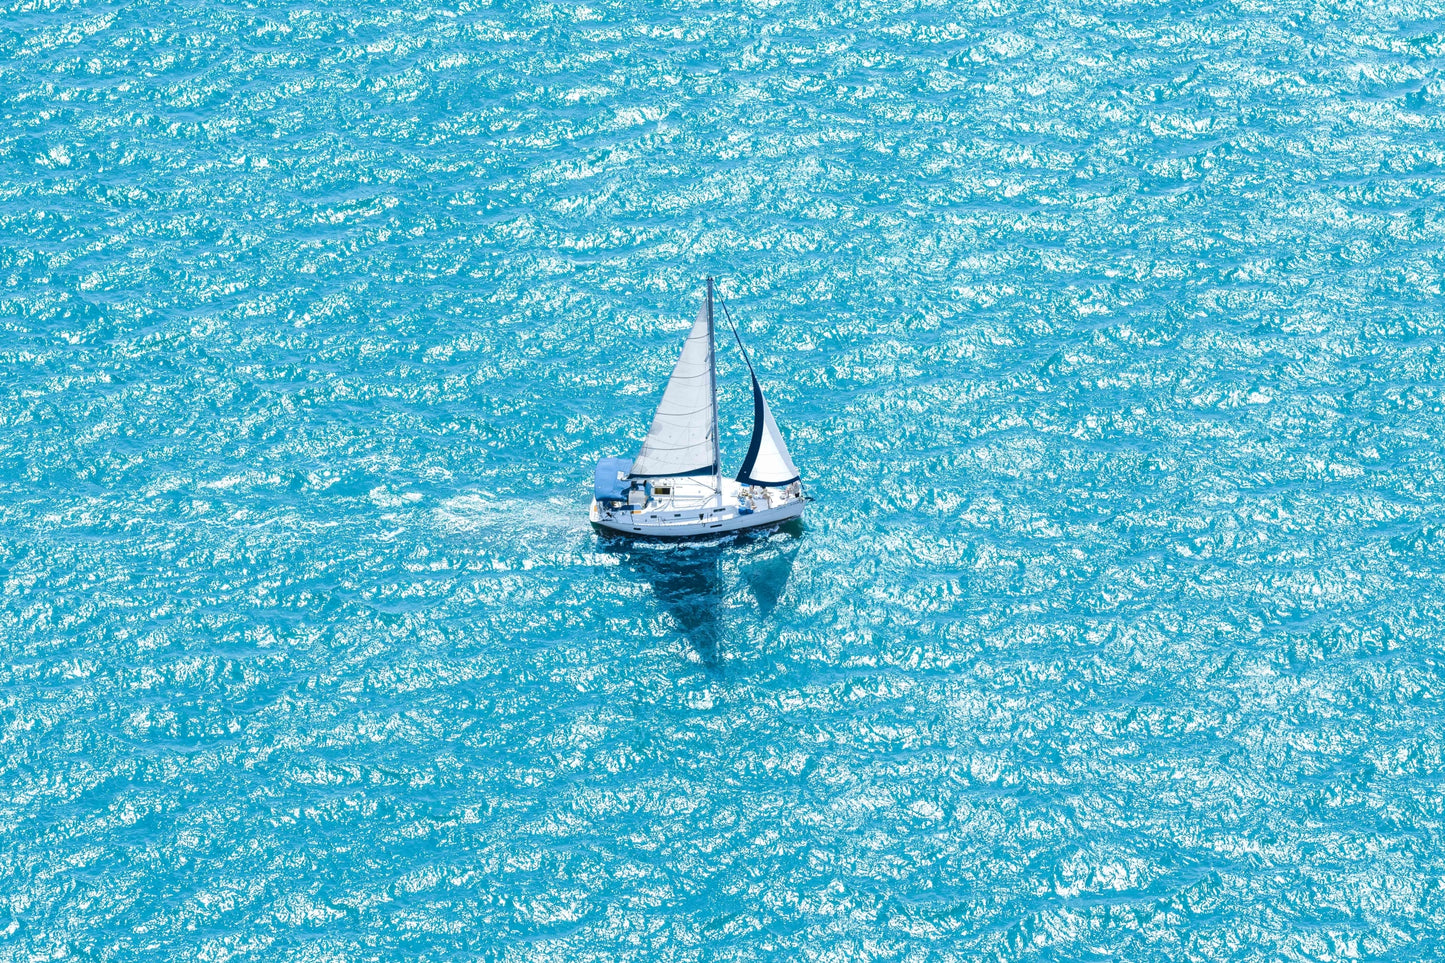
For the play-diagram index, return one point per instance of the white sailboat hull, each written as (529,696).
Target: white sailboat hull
(718,523)
(674,487)
(691,510)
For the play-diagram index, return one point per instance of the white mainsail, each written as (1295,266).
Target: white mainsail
(682,439)
(767,461)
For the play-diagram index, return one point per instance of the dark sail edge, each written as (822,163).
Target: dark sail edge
(759,426)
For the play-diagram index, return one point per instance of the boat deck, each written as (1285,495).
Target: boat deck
(690,510)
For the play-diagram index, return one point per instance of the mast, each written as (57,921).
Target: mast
(712,372)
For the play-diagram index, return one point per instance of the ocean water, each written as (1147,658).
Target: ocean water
(1108,336)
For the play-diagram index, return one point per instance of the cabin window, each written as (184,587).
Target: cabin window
(662,491)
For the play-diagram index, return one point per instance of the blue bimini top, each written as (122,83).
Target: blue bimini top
(612,481)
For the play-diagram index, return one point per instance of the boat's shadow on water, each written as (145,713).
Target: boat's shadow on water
(710,587)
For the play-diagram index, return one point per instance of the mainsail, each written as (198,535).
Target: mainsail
(683,436)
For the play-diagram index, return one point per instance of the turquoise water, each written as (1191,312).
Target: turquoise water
(1108,337)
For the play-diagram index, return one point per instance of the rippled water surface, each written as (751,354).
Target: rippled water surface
(1109,337)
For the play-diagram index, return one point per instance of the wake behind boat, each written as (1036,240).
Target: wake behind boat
(674,487)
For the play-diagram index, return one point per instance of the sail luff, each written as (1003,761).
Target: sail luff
(759,419)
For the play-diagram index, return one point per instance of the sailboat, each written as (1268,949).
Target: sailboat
(675,488)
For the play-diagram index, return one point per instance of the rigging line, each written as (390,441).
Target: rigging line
(736,337)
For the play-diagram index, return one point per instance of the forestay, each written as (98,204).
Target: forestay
(680,441)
